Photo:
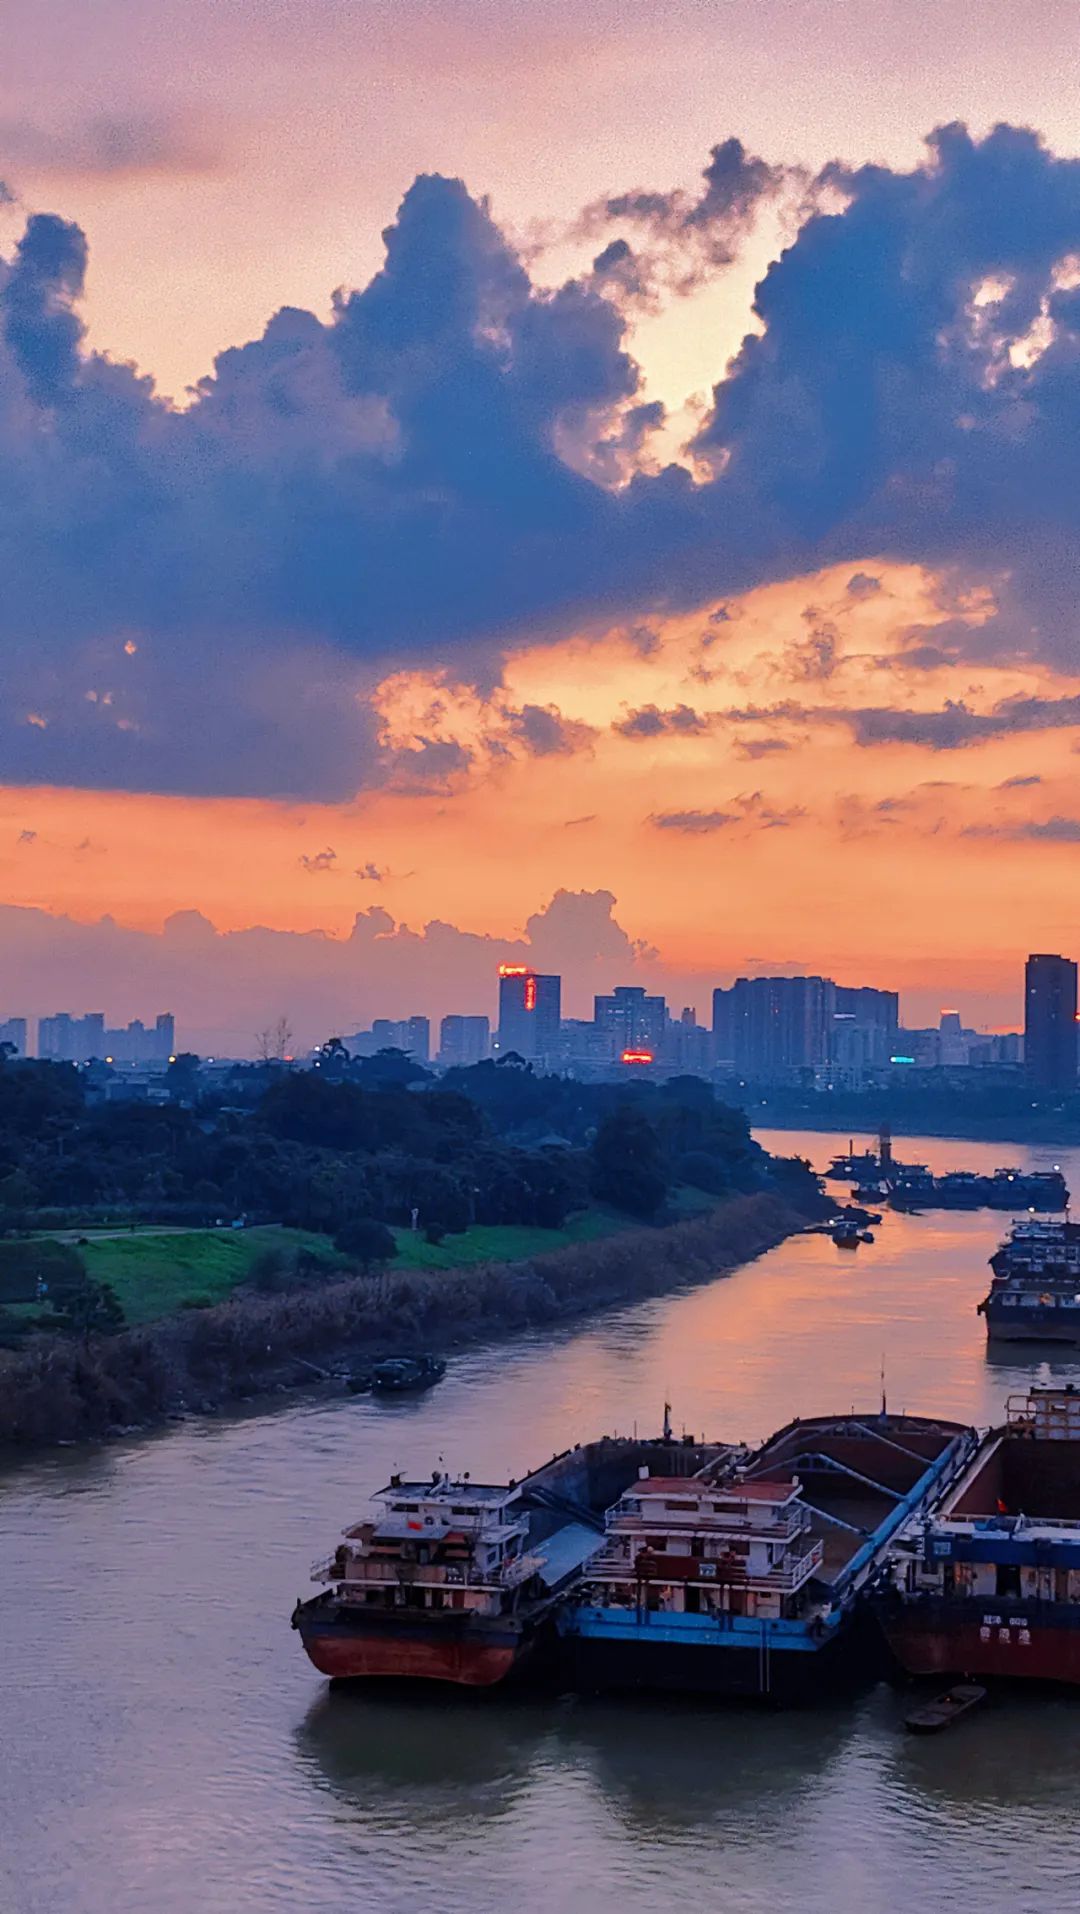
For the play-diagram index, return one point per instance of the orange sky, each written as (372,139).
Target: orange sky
(889,864)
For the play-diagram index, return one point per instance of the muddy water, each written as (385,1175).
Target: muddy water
(165,1747)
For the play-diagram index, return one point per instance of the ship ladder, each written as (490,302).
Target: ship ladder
(764,1661)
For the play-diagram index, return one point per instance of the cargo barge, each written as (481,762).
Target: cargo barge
(744,1581)
(988,1583)
(451,1580)
(1035,1292)
(1007,1189)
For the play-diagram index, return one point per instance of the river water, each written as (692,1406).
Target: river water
(165,1746)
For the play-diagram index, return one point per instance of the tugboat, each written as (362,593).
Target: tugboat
(988,1583)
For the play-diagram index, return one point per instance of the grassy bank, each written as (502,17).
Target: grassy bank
(157,1272)
(206,1359)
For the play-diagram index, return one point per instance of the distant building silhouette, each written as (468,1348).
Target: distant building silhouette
(1050,1052)
(67,1039)
(13,1031)
(463,1041)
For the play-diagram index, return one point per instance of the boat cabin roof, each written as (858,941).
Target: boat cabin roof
(695,1488)
(462,1494)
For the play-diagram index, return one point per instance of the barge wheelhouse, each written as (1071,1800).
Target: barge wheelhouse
(430,1584)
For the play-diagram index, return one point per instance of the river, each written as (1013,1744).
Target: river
(166,1748)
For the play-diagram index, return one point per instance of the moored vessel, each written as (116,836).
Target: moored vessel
(453,1580)
(1034,1293)
(987,1584)
(744,1581)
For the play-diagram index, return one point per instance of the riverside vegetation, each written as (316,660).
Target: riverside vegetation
(347,1172)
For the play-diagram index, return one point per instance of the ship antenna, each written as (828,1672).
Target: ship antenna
(667,1422)
(884,1406)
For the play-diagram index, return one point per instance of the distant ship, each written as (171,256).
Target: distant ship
(1007,1189)
(1034,1295)
(989,1584)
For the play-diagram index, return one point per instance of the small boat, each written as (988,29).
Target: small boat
(945,1709)
(847,1236)
(401,1373)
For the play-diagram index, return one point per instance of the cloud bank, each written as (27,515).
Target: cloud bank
(325,985)
(204,601)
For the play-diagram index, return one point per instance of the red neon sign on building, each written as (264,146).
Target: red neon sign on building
(637,1056)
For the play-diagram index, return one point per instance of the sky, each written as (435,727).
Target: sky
(591,485)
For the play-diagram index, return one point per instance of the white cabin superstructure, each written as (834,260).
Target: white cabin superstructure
(693,1546)
(444,1544)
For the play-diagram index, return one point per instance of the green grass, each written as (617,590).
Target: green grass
(501,1242)
(156,1274)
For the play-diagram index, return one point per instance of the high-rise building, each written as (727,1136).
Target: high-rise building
(530,1011)
(13,1031)
(1050,1052)
(463,1041)
(771,1028)
(634,1020)
(872,1010)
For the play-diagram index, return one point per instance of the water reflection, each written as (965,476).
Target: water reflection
(173,1749)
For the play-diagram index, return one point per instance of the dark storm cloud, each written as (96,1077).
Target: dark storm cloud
(440,471)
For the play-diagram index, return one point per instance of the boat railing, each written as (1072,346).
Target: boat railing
(623,1518)
(710,1572)
(362,1572)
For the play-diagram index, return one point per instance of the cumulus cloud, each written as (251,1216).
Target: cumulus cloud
(447,468)
(325,984)
(685,235)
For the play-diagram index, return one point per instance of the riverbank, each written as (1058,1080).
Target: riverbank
(1039,1133)
(209,1360)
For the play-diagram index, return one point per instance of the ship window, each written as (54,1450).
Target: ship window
(1008,1579)
(686,1507)
(656,1541)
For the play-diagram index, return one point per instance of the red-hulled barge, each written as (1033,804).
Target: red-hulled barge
(436,1584)
(989,1584)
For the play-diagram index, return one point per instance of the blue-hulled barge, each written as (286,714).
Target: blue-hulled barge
(743,1579)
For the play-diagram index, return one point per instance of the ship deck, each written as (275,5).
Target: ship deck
(862,1477)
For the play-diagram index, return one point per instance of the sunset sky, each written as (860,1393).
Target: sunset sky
(597,484)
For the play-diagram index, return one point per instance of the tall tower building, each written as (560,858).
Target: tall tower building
(530,1011)
(1050,1052)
